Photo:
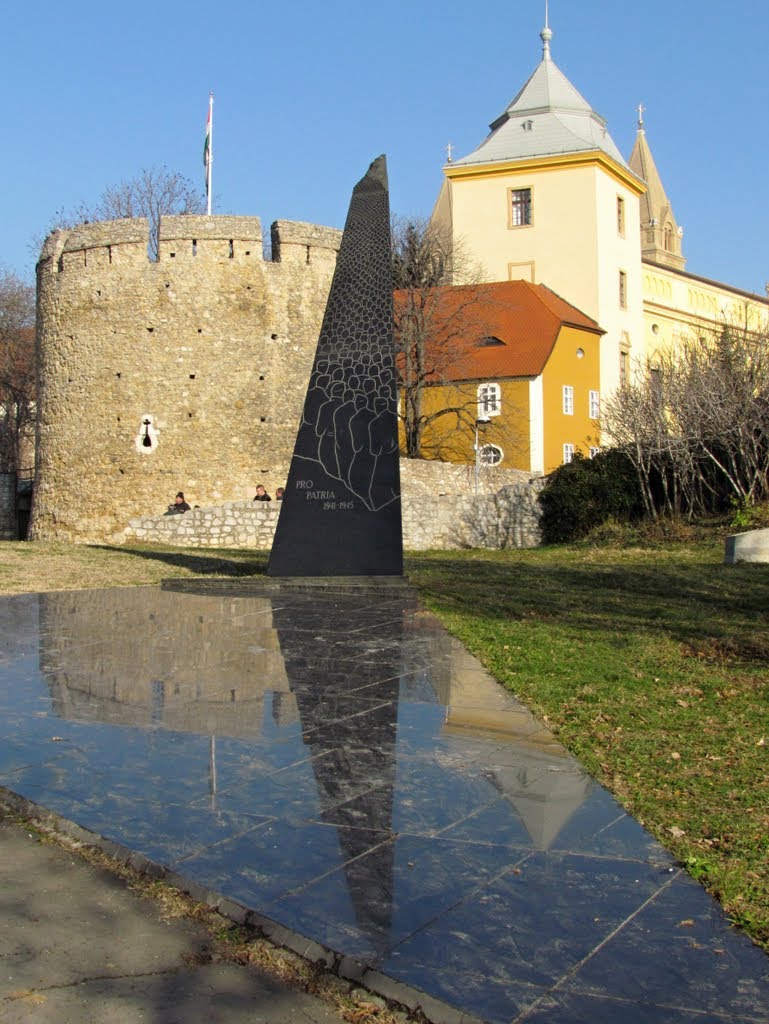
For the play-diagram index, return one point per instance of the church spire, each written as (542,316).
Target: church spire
(660,234)
(547,117)
(546,35)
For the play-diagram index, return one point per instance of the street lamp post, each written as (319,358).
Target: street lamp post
(480,425)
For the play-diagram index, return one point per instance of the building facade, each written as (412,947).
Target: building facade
(548,198)
(521,381)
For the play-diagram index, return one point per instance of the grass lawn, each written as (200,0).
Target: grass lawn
(652,667)
(650,664)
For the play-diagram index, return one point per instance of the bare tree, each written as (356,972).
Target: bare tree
(695,423)
(433,322)
(153,192)
(17,371)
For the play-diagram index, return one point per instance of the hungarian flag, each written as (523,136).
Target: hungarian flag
(207,143)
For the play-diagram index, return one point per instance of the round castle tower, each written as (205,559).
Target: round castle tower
(187,373)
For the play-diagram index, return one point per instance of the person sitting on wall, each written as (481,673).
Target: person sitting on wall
(179,506)
(279,494)
(261,494)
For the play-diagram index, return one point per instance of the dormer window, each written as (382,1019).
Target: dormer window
(490,342)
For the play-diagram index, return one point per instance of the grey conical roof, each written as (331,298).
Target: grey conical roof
(548,117)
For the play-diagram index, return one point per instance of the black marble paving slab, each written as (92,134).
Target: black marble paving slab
(343,768)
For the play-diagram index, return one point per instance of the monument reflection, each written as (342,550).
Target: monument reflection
(310,715)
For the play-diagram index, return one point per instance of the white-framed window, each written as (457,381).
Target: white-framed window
(490,455)
(595,405)
(622,290)
(594,452)
(568,453)
(520,207)
(489,400)
(568,400)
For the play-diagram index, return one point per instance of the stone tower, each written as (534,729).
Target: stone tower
(187,373)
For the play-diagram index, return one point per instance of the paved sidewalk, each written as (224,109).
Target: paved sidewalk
(77,945)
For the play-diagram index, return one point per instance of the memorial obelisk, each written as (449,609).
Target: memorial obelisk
(341,514)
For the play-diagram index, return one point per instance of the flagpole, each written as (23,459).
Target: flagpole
(209,151)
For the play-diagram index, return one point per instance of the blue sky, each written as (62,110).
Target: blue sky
(308,93)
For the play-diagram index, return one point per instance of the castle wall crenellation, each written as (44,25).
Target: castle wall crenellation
(182,238)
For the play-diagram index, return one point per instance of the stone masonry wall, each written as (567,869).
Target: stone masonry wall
(8,525)
(187,373)
(502,519)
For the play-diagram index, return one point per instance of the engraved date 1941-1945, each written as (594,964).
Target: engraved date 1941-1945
(331,506)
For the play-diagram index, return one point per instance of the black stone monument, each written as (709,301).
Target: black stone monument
(341,514)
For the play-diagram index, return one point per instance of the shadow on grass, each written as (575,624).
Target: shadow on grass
(720,610)
(208,562)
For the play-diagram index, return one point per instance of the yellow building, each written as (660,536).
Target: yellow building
(548,198)
(524,371)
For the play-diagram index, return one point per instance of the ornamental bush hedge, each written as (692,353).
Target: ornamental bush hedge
(585,493)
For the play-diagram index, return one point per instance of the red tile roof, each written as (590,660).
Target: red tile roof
(526,318)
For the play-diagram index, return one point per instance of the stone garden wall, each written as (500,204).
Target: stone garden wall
(502,519)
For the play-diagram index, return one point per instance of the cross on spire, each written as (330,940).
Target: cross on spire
(640,108)
(449,151)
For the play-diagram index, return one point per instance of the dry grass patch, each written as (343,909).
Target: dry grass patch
(31,567)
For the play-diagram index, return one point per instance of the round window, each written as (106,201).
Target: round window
(490,455)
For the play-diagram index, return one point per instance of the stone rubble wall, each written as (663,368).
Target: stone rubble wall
(503,519)
(508,518)
(8,523)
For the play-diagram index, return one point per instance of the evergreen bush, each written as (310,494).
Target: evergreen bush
(585,493)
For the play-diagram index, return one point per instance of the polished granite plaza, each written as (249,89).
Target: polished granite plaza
(339,765)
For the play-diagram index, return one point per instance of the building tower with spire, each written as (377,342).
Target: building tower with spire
(660,234)
(548,197)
